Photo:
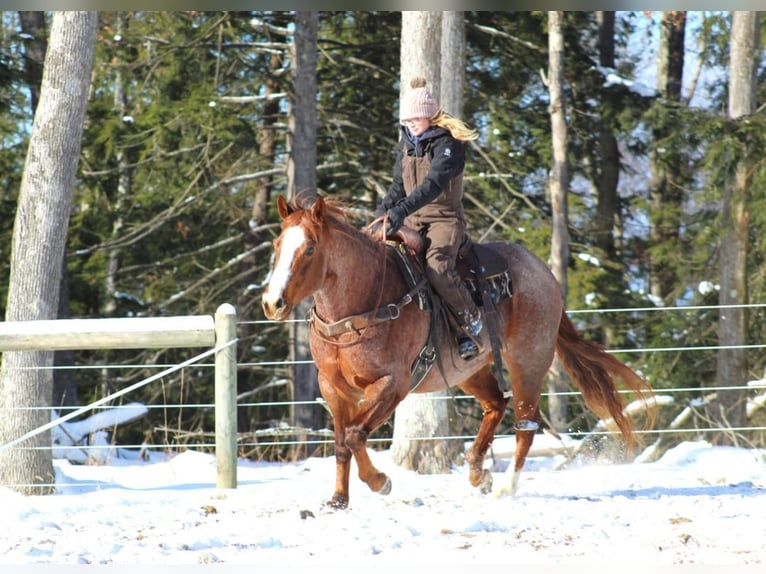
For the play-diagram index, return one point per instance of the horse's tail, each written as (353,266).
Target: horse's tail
(594,372)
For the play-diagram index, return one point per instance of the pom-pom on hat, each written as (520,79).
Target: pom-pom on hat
(418,102)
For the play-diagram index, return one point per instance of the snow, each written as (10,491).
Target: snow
(698,504)
(613,78)
(90,432)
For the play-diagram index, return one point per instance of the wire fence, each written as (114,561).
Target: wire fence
(321,440)
(287,436)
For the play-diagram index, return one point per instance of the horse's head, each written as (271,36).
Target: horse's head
(299,265)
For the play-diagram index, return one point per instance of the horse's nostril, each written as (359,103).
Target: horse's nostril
(273,308)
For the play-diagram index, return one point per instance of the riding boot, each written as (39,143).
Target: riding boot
(466,343)
(466,346)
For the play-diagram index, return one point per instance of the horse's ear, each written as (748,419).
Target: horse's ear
(318,209)
(283,208)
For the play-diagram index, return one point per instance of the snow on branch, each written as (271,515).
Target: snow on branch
(612,78)
(89,433)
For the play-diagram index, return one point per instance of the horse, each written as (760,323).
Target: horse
(364,360)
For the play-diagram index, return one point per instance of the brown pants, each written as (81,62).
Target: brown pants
(443,225)
(444,240)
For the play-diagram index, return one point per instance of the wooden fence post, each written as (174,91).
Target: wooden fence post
(226,396)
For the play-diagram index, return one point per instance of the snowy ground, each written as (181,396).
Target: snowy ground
(697,505)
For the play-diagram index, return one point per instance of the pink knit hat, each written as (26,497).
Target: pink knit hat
(418,102)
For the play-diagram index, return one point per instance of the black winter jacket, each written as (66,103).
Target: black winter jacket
(447,158)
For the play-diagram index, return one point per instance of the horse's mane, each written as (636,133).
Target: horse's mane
(334,214)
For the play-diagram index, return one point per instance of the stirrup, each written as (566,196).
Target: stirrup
(475,327)
(466,346)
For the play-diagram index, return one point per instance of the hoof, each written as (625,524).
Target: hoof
(485,486)
(386,488)
(508,487)
(337,502)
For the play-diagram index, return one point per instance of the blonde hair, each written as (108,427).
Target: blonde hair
(420,99)
(458,128)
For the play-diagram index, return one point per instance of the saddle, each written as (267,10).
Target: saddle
(484,272)
(476,262)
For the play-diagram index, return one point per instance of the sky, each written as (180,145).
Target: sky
(697,505)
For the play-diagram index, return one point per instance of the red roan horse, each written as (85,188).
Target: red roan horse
(364,371)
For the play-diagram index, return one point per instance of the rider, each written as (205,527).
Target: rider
(427,191)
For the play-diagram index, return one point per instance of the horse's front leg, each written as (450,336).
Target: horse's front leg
(342,407)
(356,441)
(343,455)
(380,400)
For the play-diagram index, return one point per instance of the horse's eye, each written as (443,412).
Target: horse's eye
(309,251)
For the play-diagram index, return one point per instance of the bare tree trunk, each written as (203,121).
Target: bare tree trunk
(607,208)
(268,145)
(35,46)
(301,173)
(418,419)
(665,189)
(558,184)
(267,150)
(123,188)
(452,72)
(39,240)
(124,185)
(608,222)
(729,409)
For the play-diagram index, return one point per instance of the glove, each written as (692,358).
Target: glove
(395,219)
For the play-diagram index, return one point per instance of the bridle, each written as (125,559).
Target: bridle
(361,322)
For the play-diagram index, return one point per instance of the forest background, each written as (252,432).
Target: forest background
(185,150)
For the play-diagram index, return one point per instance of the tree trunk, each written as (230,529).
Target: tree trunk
(607,207)
(419,419)
(665,188)
(452,69)
(558,184)
(39,239)
(607,221)
(117,204)
(267,150)
(301,173)
(35,46)
(729,409)
(123,187)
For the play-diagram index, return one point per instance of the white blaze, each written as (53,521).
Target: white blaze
(293,238)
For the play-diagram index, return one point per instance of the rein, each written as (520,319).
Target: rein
(363,321)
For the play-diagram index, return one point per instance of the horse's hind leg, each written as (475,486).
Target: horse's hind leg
(526,411)
(483,386)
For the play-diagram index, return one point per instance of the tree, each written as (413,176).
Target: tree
(39,238)
(302,180)
(452,70)
(729,409)
(606,232)
(35,45)
(665,185)
(558,183)
(419,418)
